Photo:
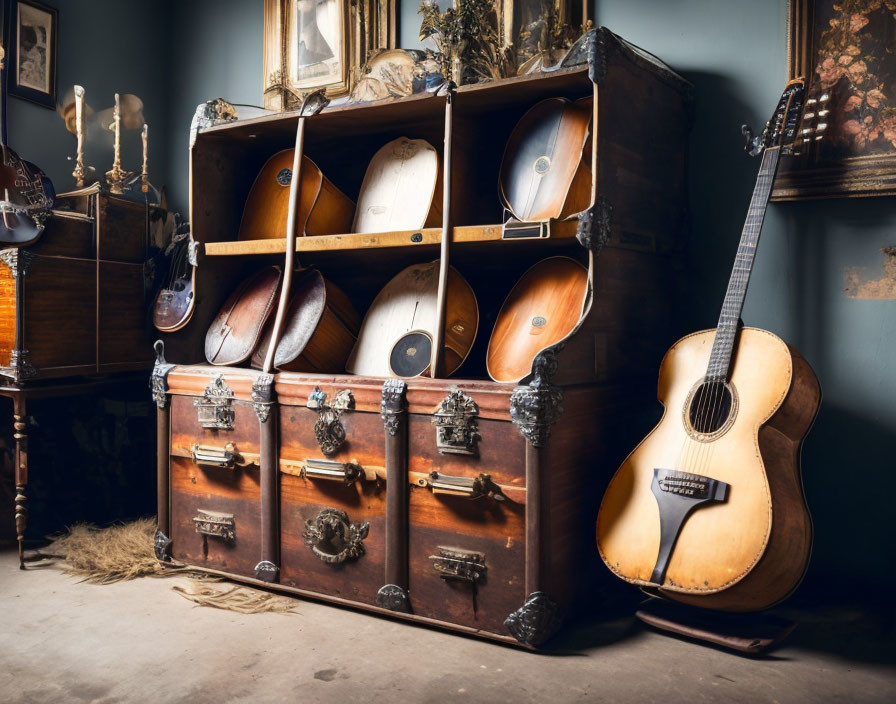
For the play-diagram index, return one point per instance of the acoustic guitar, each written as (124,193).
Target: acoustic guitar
(544,306)
(398,329)
(543,174)
(322,209)
(709,508)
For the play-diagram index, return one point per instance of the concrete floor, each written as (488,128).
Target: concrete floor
(63,641)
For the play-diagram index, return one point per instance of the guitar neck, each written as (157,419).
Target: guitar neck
(726,331)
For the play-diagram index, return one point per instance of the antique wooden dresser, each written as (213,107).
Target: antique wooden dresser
(461,502)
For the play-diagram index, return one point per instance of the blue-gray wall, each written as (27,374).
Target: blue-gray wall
(107,46)
(177,54)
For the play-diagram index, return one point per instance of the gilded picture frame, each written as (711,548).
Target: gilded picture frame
(844,49)
(540,30)
(313,44)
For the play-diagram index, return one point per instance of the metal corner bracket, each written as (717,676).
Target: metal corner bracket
(536,407)
(593,231)
(394,598)
(535,621)
(393,404)
(266,571)
(263,396)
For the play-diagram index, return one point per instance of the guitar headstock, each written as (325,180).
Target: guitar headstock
(794,122)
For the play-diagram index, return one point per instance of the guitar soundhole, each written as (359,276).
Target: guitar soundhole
(711,407)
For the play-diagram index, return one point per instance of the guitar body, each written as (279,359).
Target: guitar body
(323,208)
(174,305)
(749,550)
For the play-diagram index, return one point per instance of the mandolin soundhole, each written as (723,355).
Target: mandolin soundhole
(711,408)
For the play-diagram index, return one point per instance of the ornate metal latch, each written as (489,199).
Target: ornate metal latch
(215,408)
(469,487)
(215,456)
(346,472)
(455,563)
(216,524)
(328,429)
(456,429)
(333,538)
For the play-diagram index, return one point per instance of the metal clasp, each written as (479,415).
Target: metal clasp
(455,563)
(215,456)
(216,524)
(469,487)
(456,429)
(328,429)
(215,408)
(346,472)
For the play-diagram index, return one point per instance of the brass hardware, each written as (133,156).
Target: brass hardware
(456,430)
(346,472)
(469,487)
(215,456)
(215,408)
(216,524)
(454,563)
(333,538)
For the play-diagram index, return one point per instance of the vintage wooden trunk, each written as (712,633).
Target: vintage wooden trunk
(459,502)
(73,303)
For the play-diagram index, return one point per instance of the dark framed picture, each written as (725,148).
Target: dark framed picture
(31,29)
(847,51)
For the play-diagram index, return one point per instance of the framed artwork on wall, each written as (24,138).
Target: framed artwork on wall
(31,29)
(847,51)
(312,44)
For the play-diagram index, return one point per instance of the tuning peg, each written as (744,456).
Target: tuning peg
(752,144)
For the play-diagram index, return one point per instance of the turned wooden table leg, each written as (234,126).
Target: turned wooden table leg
(21,474)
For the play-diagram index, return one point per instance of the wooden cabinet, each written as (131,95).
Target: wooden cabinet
(80,299)
(461,502)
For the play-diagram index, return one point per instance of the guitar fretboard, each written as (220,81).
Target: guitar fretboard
(726,331)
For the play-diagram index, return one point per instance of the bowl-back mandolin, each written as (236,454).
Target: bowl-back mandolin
(322,210)
(544,306)
(709,508)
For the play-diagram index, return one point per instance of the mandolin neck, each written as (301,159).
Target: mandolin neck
(726,331)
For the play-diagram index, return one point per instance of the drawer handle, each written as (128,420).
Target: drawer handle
(346,472)
(470,487)
(456,563)
(333,538)
(215,456)
(216,524)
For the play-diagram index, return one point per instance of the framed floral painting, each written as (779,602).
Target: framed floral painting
(847,51)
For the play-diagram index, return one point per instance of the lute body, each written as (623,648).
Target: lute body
(749,551)
(322,208)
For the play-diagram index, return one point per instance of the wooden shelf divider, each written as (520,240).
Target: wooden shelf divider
(378,240)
